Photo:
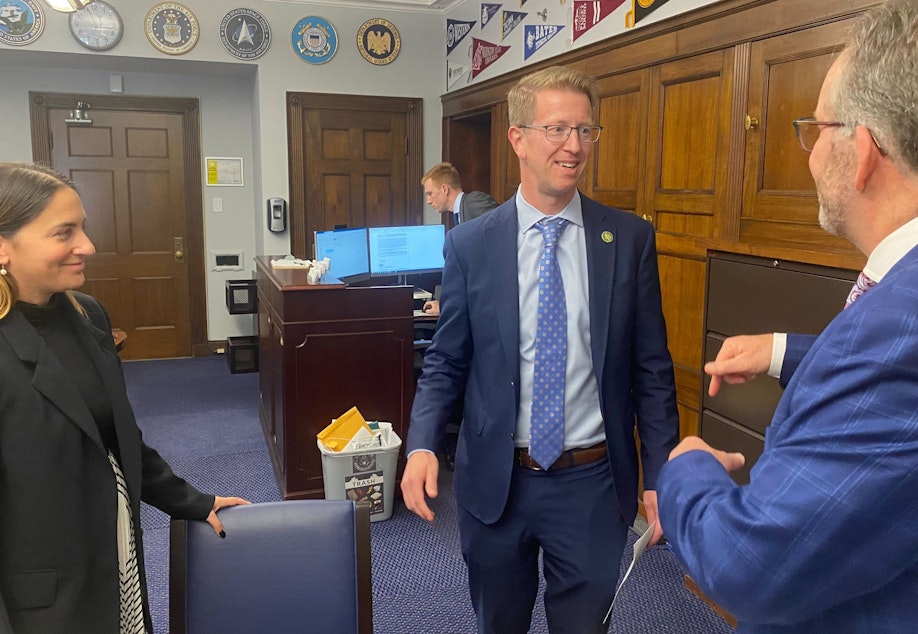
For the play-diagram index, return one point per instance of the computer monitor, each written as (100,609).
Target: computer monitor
(405,250)
(346,249)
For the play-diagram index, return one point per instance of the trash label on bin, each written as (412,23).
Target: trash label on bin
(366,487)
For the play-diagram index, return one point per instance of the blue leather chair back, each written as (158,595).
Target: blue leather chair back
(295,566)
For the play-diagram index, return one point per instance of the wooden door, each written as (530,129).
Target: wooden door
(131,171)
(688,150)
(354,161)
(779,202)
(617,170)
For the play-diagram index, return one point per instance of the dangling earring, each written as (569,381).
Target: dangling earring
(3,270)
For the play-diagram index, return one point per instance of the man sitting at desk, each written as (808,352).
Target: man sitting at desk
(443,190)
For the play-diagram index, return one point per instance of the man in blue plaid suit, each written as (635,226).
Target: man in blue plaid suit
(824,538)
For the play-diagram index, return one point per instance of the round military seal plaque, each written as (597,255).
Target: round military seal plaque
(378,41)
(171,28)
(245,33)
(314,39)
(21,22)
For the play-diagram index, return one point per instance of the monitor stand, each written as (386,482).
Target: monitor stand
(402,280)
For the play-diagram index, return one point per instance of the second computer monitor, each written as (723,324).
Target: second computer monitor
(404,250)
(346,249)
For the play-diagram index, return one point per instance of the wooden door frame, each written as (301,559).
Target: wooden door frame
(40,104)
(300,102)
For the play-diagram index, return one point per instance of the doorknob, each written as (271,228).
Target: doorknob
(751,123)
(178,245)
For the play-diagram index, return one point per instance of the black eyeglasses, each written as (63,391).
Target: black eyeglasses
(807,130)
(561,133)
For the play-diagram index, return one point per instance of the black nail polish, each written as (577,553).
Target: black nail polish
(222,534)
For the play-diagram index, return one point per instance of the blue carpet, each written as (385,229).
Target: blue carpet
(204,421)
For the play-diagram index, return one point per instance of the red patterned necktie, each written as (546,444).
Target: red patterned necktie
(861,286)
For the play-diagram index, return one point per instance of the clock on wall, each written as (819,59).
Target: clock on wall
(97,26)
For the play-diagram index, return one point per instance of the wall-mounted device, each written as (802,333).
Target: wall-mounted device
(277,214)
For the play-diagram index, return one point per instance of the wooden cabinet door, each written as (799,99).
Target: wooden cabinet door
(685,185)
(779,198)
(616,172)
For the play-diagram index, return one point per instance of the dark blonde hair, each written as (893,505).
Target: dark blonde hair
(443,174)
(522,97)
(25,191)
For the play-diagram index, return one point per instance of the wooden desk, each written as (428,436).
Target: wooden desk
(323,349)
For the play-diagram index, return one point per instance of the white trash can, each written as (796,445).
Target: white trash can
(363,475)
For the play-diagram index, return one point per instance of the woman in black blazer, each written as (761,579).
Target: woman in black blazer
(73,464)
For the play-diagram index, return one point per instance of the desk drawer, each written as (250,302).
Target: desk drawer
(722,433)
(749,295)
(752,404)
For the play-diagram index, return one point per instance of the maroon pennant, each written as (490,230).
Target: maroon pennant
(484,54)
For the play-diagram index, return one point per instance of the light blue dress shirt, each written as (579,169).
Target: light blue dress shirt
(582,417)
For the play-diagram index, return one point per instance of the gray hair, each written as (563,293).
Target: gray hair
(521,98)
(877,86)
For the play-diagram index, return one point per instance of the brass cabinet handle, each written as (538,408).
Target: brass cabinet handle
(751,123)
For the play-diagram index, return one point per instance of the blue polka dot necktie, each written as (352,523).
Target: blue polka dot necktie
(546,441)
(861,286)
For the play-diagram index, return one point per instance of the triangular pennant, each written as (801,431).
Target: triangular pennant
(484,54)
(588,14)
(487,12)
(640,10)
(456,30)
(536,35)
(509,21)
(454,73)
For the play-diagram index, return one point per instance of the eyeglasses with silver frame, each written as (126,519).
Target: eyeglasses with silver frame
(561,133)
(807,130)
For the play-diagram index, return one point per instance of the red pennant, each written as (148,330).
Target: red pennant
(484,54)
(589,13)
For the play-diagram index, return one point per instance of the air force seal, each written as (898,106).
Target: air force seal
(314,40)
(172,28)
(21,21)
(378,41)
(245,33)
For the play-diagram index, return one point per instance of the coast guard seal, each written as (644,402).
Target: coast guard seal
(314,39)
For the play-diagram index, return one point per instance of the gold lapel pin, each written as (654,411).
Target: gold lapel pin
(606,236)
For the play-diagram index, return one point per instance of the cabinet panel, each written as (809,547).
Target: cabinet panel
(689,142)
(616,173)
(785,76)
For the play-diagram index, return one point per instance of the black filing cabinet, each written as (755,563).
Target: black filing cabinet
(751,295)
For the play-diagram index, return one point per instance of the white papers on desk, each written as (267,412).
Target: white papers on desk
(639,547)
(420,293)
(421,313)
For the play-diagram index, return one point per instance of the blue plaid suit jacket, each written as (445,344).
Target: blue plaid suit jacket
(824,538)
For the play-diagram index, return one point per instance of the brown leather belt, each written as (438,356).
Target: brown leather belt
(570,458)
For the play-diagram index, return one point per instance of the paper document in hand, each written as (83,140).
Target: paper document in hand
(639,546)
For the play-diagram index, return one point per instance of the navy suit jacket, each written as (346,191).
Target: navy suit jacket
(824,538)
(475,351)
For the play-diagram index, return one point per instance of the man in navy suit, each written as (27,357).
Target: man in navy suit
(617,373)
(824,538)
